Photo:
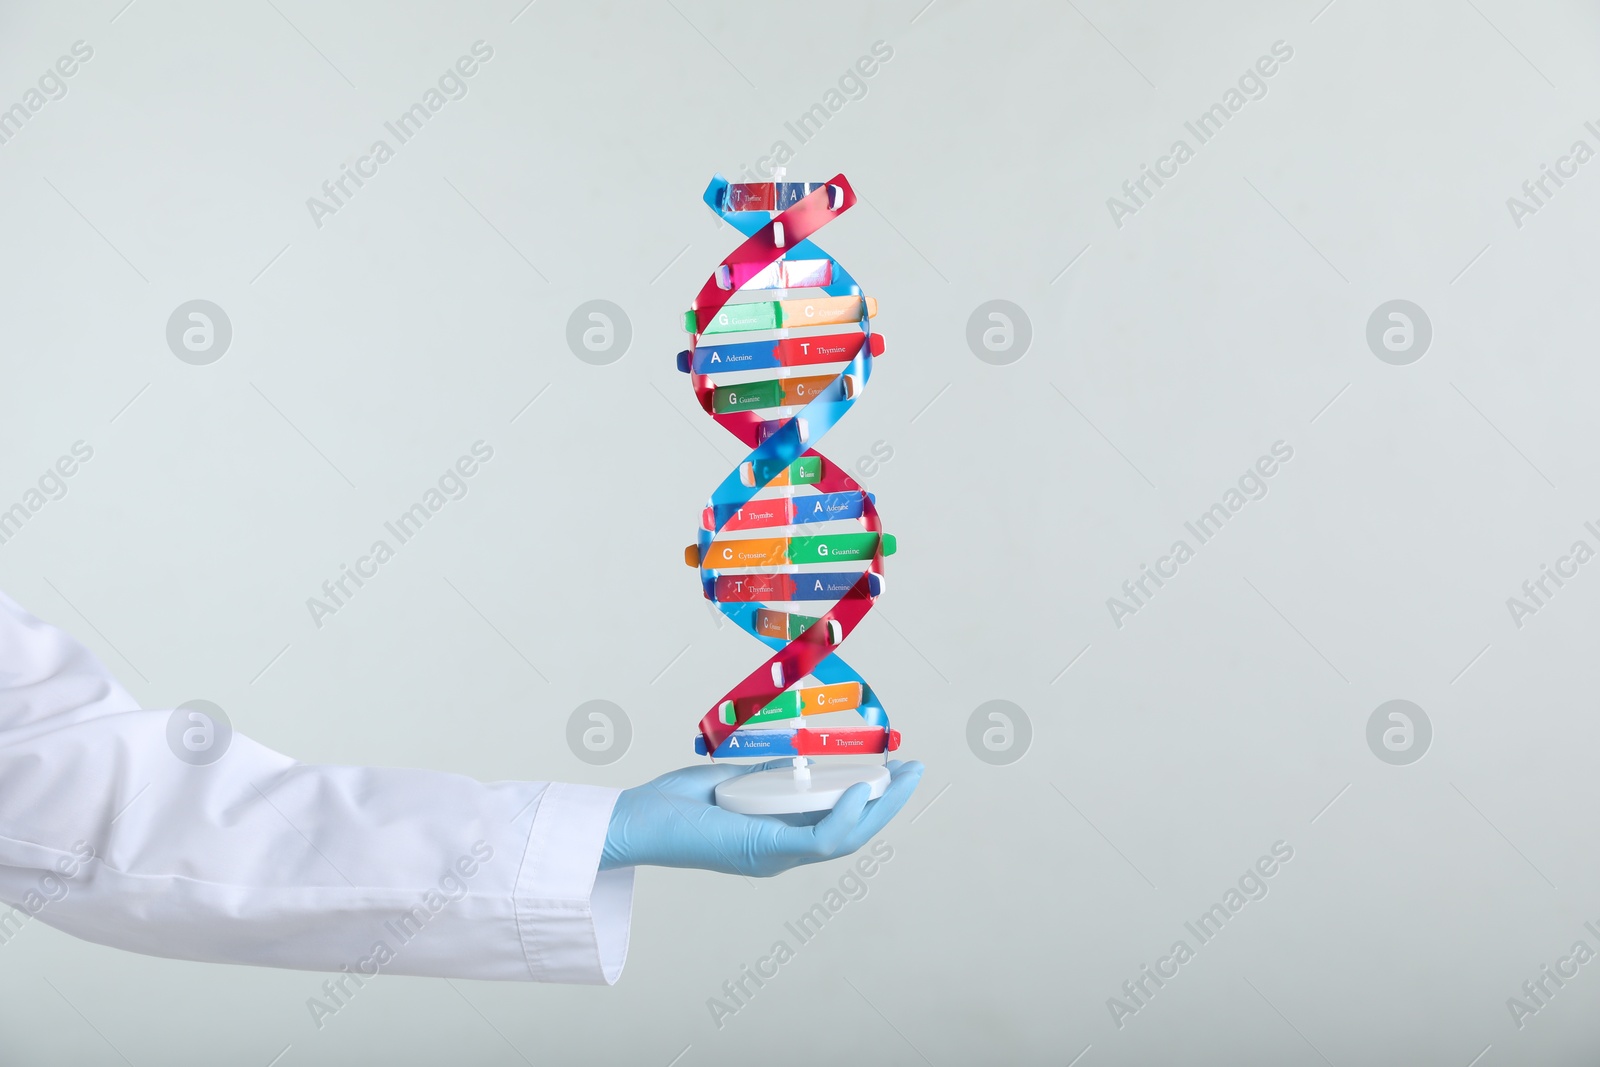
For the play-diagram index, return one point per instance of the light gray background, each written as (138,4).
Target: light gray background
(1228,314)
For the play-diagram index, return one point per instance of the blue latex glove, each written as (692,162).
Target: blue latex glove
(674,821)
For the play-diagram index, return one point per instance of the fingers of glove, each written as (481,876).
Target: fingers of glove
(853,821)
(710,837)
(824,840)
(784,846)
(902,783)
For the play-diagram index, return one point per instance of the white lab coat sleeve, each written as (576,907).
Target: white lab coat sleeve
(107,834)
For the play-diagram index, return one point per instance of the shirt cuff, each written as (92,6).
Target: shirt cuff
(572,917)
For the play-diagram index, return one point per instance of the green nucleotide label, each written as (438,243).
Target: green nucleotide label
(760,315)
(830,548)
(806,470)
(767,394)
(786,706)
(799,624)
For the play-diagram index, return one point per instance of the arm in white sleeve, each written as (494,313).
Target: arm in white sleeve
(259,859)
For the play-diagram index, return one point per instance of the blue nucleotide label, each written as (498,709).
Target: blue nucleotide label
(825,507)
(741,355)
(752,743)
(828,586)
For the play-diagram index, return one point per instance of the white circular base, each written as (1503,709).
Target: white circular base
(776,792)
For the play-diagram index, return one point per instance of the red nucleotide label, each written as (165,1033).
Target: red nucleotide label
(826,348)
(732,588)
(752,196)
(809,742)
(779,511)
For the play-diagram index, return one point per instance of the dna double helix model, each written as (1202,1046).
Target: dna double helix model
(765,548)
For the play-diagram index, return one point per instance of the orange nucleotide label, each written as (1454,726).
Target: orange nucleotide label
(771,623)
(747,474)
(804,390)
(749,552)
(826,310)
(843,696)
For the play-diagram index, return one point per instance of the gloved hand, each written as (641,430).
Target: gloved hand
(674,821)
